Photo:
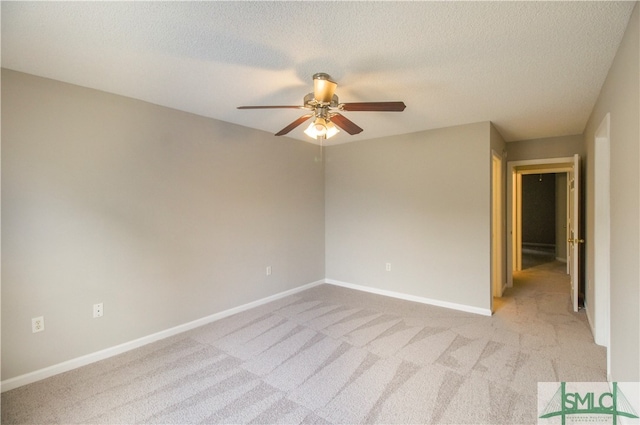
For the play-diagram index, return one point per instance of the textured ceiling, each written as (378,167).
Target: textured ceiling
(533,68)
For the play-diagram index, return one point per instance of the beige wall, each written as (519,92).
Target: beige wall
(419,201)
(620,96)
(550,147)
(164,216)
(497,142)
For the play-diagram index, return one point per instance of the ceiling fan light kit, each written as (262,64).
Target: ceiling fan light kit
(323,103)
(321,128)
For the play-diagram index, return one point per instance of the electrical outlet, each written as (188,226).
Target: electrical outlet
(98,310)
(37,324)
(388,267)
(268,270)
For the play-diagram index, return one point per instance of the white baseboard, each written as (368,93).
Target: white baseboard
(68,365)
(407,297)
(562,260)
(591,324)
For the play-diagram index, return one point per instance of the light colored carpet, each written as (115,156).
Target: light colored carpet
(536,258)
(334,355)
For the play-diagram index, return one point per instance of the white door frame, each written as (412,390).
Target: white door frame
(497,226)
(515,171)
(602,237)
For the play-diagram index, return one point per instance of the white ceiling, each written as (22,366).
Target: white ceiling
(533,68)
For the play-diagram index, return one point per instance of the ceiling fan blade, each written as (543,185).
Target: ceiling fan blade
(346,124)
(293,125)
(374,106)
(272,107)
(323,87)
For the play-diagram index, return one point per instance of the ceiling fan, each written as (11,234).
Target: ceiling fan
(324,107)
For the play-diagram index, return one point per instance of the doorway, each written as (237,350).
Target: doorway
(497,208)
(544,216)
(516,171)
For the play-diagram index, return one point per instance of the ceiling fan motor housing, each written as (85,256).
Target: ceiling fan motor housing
(311,102)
